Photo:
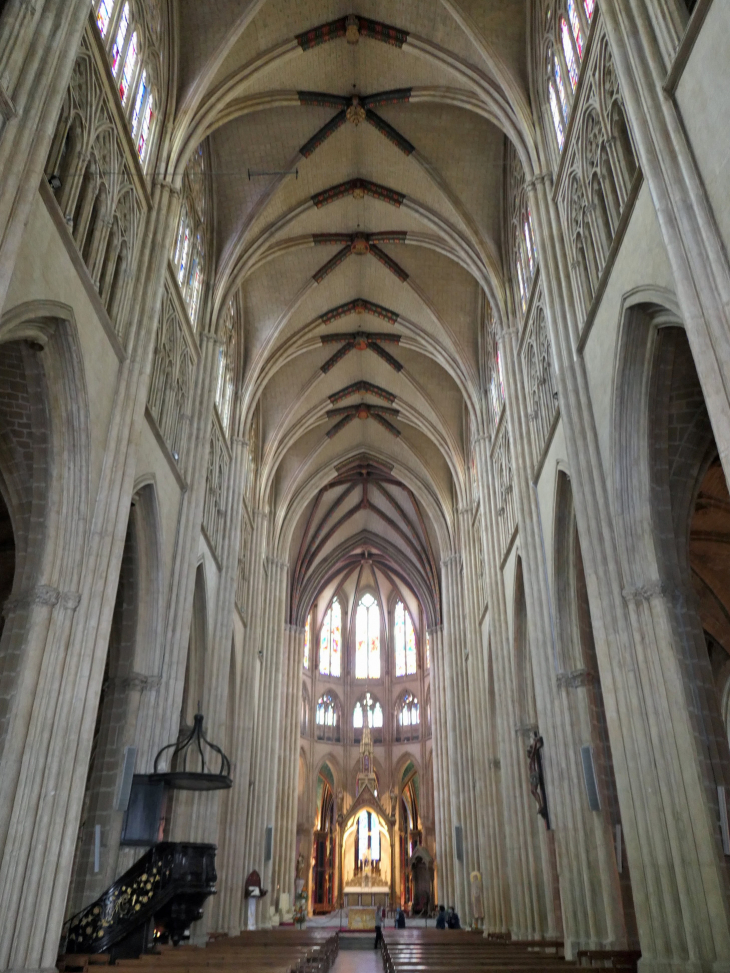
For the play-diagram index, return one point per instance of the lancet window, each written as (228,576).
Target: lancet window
(307,639)
(368,838)
(330,641)
(370,711)
(405,641)
(367,639)
(304,715)
(566,26)
(189,254)
(493,377)
(428,651)
(227,364)
(408,718)
(131,34)
(327,718)
(520,232)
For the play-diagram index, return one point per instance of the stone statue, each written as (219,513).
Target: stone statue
(477,905)
(300,866)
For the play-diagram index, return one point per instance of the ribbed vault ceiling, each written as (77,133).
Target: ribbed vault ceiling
(368,245)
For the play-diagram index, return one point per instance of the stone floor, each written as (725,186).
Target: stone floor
(358,961)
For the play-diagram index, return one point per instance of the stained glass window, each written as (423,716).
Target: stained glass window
(368,836)
(561,88)
(183,247)
(195,281)
(144,135)
(530,248)
(409,715)
(590,6)
(327,718)
(130,64)
(557,120)
(408,718)
(119,39)
(575,24)
(357,718)
(367,639)
(307,628)
(567,43)
(521,282)
(139,101)
(376,717)
(405,642)
(331,641)
(374,839)
(363,830)
(103,16)
(428,651)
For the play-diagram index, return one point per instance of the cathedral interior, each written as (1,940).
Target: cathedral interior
(364,508)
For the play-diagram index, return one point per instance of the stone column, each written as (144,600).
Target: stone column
(233,862)
(286,807)
(47,745)
(524,918)
(456,750)
(441,775)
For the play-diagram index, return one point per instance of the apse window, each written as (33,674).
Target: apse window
(374,718)
(405,642)
(331,640)
(408,719)
(367,639)
(368,839)
(307,628)
(327,719)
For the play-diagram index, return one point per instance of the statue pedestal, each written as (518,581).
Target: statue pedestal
(285,909)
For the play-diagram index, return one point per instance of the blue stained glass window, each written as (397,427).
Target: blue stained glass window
(104,15)
(119,39)
(557,119)
(566,40)
(575,24)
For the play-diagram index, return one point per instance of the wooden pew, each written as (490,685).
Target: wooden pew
(444,951)
(276,951)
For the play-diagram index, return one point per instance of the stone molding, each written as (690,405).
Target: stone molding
(42,594)
(577,679)
(645,591)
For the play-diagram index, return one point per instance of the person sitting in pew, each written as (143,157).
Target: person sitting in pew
(441,918)
(452,920)
(400,919)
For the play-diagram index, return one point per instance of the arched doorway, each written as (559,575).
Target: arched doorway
(323,844)
(677,746)
(7,558)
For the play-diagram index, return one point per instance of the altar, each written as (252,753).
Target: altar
(367,843)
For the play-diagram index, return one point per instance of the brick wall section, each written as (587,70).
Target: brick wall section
(106,763)
(16,424)
(683,442)
(23,475)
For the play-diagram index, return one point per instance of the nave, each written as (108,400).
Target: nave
(364,465)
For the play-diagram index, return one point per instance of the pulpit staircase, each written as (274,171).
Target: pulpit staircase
(161,894)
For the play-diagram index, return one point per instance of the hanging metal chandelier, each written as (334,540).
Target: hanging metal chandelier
(190,748)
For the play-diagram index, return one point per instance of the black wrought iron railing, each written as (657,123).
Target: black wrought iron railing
(164,891)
